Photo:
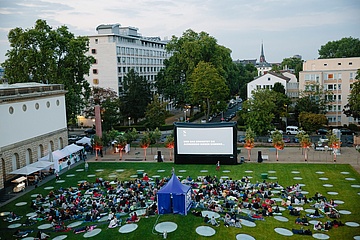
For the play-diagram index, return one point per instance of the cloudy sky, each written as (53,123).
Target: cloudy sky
(286,27)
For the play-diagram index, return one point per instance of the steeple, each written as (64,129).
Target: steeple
(262,56)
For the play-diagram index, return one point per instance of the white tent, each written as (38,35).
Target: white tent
(73,148)
(27,170)
(84,140)
(41,164)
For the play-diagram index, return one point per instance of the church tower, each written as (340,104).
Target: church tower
(262,56)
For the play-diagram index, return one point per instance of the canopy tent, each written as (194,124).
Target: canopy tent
(73,148)
(84,140)
(60,154)
(27,170)
(174,197)
(41,164)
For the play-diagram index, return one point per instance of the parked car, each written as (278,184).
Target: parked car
(323,139)
(286,140)
(280,131)
(269,140)
(90,131)
(292,130)
(345,131)
(241,139)
(321,131)
(296,140)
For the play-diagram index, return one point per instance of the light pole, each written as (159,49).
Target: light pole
(129,120)
(286,106)
(185,115)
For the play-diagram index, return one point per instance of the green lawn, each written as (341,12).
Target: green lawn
(188,224)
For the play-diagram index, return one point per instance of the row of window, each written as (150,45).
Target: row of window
(140,70)
(332,119)
(132,60)
(36,105)
(339,64)
(140,52)
(334,108)
(328,76)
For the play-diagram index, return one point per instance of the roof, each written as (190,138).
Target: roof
(174,186)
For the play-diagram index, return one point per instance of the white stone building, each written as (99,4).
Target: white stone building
(268,80)
(118,49)
(33,122)
(336,75)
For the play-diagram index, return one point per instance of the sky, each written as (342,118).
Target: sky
(285,27)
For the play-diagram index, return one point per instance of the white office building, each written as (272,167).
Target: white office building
(118,49)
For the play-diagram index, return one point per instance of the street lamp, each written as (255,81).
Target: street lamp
(286,116)
(129,120)
(185,115)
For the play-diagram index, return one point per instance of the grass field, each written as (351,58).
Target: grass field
(188,224)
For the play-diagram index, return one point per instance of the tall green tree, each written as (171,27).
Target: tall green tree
(260,108)
(43,54)
(187,52)
(352,108)
(292,63)
(345,47)
(312,121)
(136,96)
(314,99)
(155,113)
(246,74)
(109,103)
(207,88)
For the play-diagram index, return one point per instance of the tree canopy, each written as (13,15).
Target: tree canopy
(260,108)
(352,108)
(207,88)
(155,113)
(136,96)
(345,47)
(43,54)
(293,63)
(187,52)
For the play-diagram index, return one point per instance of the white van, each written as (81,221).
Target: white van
(292,130)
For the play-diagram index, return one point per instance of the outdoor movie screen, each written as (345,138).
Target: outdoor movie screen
(205,140)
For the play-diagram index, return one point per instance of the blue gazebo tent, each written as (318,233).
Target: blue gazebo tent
(174,197)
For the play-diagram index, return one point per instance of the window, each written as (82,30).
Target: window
(330,87)
(330,76)
(339,86)
(339,107)
(24,108)
(11,110)
(47,104)
(339,63)
(351,86)
(339,97)
(268,79)
(339,76)
(351,76)
(93,51)
(325,64)
(95,71)
(95,81)
(350,63)
(96,41)
(57,102)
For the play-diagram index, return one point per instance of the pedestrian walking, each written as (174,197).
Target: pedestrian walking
(69,164)
(57,175)
(218,166)
(86,166)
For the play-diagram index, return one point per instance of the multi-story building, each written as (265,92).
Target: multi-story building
(33,122)
(336,75)
(118,49)
(267,81)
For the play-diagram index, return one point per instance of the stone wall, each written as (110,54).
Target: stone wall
(58,138)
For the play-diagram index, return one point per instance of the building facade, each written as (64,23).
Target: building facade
(336,75)
(118,49)
(267,81)
(33,122)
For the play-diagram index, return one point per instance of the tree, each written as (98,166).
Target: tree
(278,87)
(131,136)
(249,141)
(314,99)
(293,63)
(169,143)
(121,143)
(334,143)
(246,74)
(258,111)
(187,52)
(311,121)
(145,142)
(109,103)
(305,142)
(207,88)
(136,96)
(41,54)
(155,113)
(343,48)
(352,108)
(278,142)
